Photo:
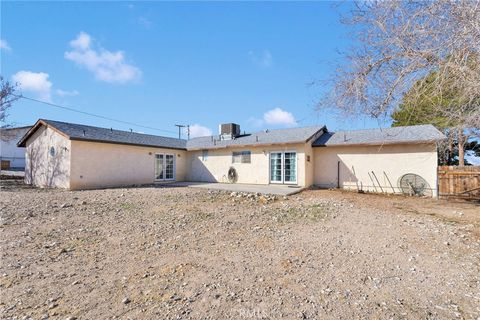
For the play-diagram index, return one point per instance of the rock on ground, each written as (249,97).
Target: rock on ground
(181,253)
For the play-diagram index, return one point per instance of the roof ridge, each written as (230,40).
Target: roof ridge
(263,131)
(385,128)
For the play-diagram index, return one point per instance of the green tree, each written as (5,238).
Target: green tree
(426,103)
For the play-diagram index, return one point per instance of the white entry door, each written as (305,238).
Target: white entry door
(283,167)
(164,167)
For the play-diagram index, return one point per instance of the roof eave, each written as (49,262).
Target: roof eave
(124,143)
(380,143)
(244,145)
(23,141)
(40,122)
(324,128)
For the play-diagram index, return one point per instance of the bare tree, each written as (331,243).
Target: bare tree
(396,44)
(7,97)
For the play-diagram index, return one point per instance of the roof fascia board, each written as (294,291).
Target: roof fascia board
(31,131)
(124,143)
(245,146)
(34,128)
(324,128)
(379,144)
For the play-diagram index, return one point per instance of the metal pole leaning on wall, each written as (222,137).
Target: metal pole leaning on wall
(372,181)
(388,179)
(375,176)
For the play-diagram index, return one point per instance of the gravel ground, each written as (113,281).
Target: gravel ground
(184,253)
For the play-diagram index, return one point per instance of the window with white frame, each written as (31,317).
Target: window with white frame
(204,155)
(241,157)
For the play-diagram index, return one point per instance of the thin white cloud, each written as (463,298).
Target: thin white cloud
(106,65)
(274,117)
(197,130)
(64,93)
(264,60)
(82,42)
(278,116)
(145,22)
(34,82)
(4,45)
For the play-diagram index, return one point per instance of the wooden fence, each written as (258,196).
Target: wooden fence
(459,182)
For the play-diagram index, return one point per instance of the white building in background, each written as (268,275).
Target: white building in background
(11,155)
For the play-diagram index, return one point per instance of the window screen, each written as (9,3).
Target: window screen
(204,155)
(241,157)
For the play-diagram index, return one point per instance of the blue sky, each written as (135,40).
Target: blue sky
(158,64)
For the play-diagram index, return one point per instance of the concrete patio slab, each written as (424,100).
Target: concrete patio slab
(279,190)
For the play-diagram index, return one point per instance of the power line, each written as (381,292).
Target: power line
(180,126)
(93,115)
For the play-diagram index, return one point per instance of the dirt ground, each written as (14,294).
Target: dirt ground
(181,253)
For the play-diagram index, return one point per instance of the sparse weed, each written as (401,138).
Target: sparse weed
(311,213)
(127,206)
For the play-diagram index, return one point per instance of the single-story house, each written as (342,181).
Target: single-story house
(12,156)
(76,156)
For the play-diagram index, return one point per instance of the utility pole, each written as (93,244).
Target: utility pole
(188,132)
(180,126)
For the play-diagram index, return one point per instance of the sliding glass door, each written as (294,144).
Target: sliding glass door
(290,167)
(159,167)
(276,167)
(169,167)
(283,167)
(164,167)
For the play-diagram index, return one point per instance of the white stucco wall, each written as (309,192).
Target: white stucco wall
(101,165)
(43,169)
(86,164)
(357,162)
(309,164)
(218,162)
(8,146)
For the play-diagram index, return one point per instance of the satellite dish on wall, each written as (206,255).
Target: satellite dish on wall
(232,175)
(414,185)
